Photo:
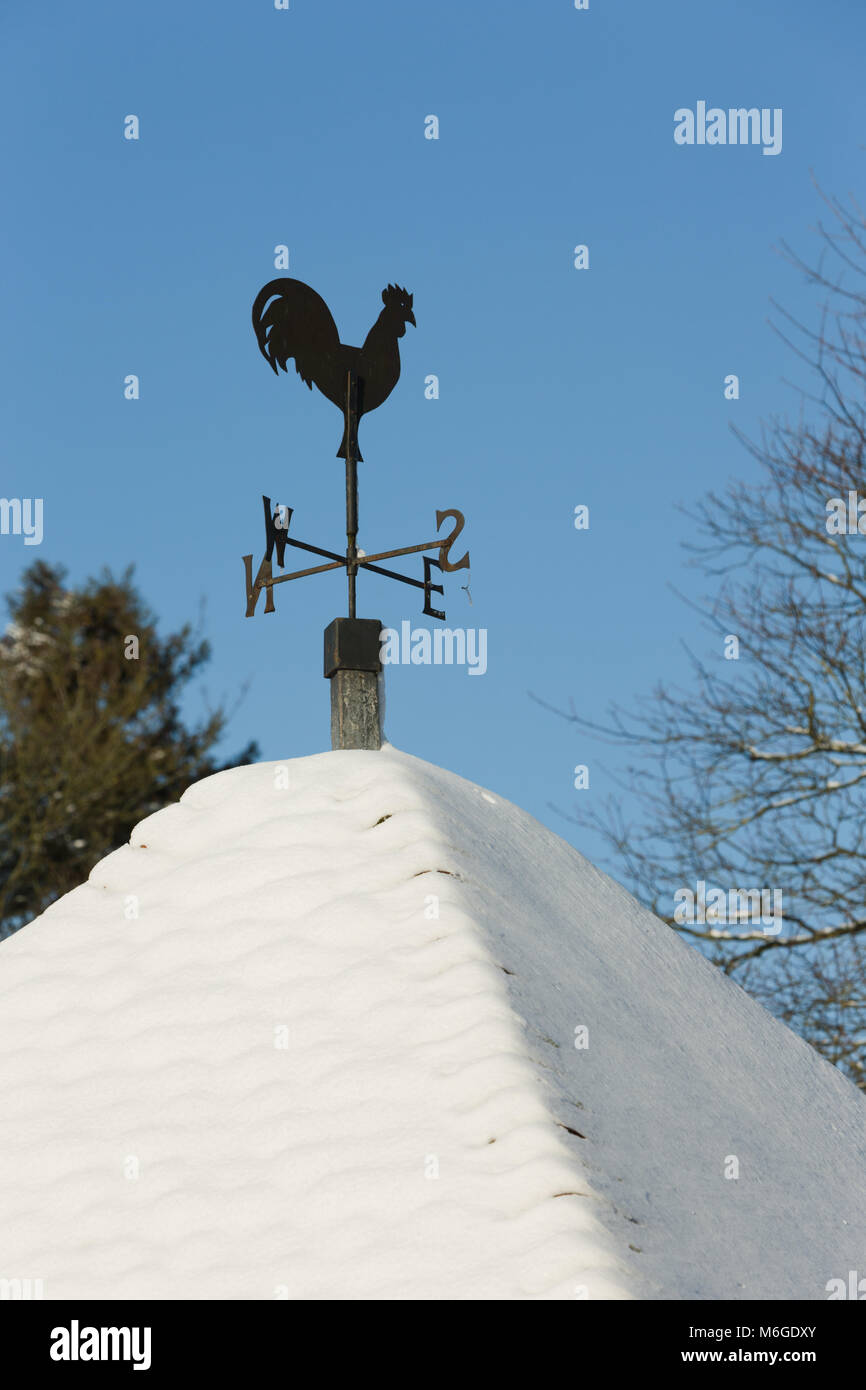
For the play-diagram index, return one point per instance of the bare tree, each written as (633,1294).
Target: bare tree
(755,777)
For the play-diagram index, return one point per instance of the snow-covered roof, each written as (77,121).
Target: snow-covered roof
(312,1034)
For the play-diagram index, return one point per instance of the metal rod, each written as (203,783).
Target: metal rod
(404,550)
(338,562)
(351,486)
(392,574)
(338,565)
(302,574)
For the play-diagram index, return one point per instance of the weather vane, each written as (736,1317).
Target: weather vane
(291,320)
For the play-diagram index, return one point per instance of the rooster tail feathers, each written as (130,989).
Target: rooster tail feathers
(263,322)
(291,320)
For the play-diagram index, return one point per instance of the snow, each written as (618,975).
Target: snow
(248,1060)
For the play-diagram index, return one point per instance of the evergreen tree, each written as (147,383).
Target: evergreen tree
(91,735)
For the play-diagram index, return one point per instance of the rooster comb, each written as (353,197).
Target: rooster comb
(396,297)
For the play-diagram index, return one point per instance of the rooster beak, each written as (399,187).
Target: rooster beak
(410,318)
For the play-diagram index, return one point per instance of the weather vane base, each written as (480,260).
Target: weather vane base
(353,667)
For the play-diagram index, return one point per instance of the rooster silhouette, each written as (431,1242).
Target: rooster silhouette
(291,320)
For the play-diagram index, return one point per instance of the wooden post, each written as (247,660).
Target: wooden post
(353,667)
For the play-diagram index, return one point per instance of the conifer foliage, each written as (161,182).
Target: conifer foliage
(92,738)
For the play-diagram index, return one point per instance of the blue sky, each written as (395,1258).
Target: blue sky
(305,127)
